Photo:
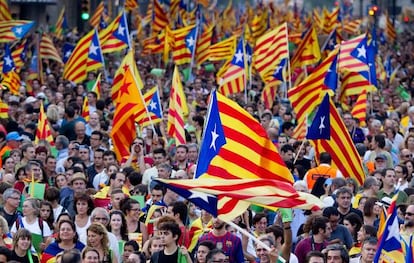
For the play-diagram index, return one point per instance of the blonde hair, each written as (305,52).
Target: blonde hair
(4,226)
(99,229)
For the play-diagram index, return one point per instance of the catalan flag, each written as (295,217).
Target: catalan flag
(390,32)
(359,111)
(67,50)
(177,109)
(159,18)
(352,27)
(8,63)
(353,83)
(35,66)
(153,114)
(47,49)
(352,55)
(259,23)
(61,24)
(43,131)
(130,102)
(131,5)
(14,30)
(19,54)
(270,49)
(96,17)
(11,80)
(234,79)
(331,21)
(116,36)
(97,87)
(127,62)
(321,124)
(308,51)
(76,67)
(184,41)
(4,110)
(390,248)
(203,45)
(197,229)
(4,11)
(95,56)
(222,50)
(85,109)
(269,94)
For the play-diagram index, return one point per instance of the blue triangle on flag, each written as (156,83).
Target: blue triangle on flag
(321,124)
(331,77)
(21,30)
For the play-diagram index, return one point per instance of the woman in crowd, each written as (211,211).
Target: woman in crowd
(117,225)
(365,232)
(90,255)
(97,238)
(153,245)
(67,239)
(353,222)
(5,240)
(136,229)
(130,247)
(83,209)
(203,248)
(22,242)
(46,213)
(371,212)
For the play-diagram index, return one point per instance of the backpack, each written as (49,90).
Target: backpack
(19,223)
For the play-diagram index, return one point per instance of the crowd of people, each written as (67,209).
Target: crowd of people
(97,208)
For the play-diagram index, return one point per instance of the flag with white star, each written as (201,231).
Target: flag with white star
(153,114)
(115,36)
(371,54)
(321,125)
(278,73)
(95,52)
(8,63)
(122,32)
(67,50)
(360,51)
(190,39)
(13,30)
(331,77)
(352,55)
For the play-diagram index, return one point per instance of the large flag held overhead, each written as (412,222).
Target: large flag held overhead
(8,63)
(43,131)
(184,40)
(222,50)
(129,104)
(159,18)
(13,30)
(308,51)
(235,145)
(353,54)
(47,49)
(177,109)
(234,79)
(203,45)
(115,37)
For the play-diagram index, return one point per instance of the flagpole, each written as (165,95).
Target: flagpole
(101,54)
(289,69)
(190,78)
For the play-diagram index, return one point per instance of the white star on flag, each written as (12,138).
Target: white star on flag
(214,137)
(68,53)
(362,52)
(239,56)
(322,126)
(190,41)
(93,49)
(19,30)
(196,194)
(8,61)
(278,69)
(121,30)
(153,105)
(393,231)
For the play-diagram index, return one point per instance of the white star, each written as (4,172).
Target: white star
(68,53)
(239,56)
(362,52)
(196,194)
(278,69)
(93,49)
(190,41)
(121,30)
(393,230)
(19,30)
(330,43)
(322,126)
(214,137)
(8,61)
(249,58)
(153,105)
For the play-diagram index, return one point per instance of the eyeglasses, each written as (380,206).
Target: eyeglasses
(100,218)
(135,209)
(407,156)
(409,214)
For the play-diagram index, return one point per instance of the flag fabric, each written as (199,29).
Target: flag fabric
(131,5)
(130,102)
(299,132)
(8,63)
(67,50)
(96,17)
(321,124)
(97,87)
(234,79)
(61,24)
(184,40)
(4,110)
(304,99)
(308,51)
(270,49)
(43,131)
(35,67)
(11,80)
(389,245)
(203,45)
(19,55)
(353,83)
(85,109)
(116,36)
(331,77)
(371,61)
(222,50)
(330,42)
(154,110)
(159,18)
(269,94)
(127,63)
(331,21)
(177,109)
(95,56)
(13,30)
(390,32)
(228,199)
(352,27)
(4,11)
(76,67)
(197,229)
(352,55)
(359,111)
(47,49)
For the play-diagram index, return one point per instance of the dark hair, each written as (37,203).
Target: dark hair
(97,133)
(370,240)
(126,204)
(380,139)
(355,221)
(6,252)
(257,217)
(325,157)
(330,211)
(52,194)
(124,230)
(135,178)
(71,256)
(314,253)
(160,150)
(404,170)
(73,226)
(214,252)
(208,244)
(83,197)
(344,252)
(369,206)
(181,209)
(319,222)
(277,232)
(167,223)
(51,217)
(133,244)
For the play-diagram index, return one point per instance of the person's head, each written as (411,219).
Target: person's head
(178,210)
(325,157)
(286,152)
(116,196)
(83,204)
(181,153)
(90,255)
(46,211)
(401,172)
(262,252)
(168,230)
(98,157)
(315,256)
(218,224)
(31,207)
(333,216)
(409,216)
(260,222)
(100,215)
(109,157)
(67,231)
(117,221)
(371,184)
(353,222)
(11,198)
(159,156)
(343,198)
(78,182)
(154,245)
(216,256)
(203,249)
(388,178)
(131,208)
(22,239)
(368,249)
(71,256)
(164,170)
(117,180)
(129,247)
(336,254)
(61,181)
(5,254)
(157,193)
(365,232)
(97,236)
(321,226)
(4,227)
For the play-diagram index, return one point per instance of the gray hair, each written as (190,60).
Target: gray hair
(101,210)
(62,139)
(9,192)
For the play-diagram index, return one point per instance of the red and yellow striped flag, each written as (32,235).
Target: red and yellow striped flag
(203,45)
(308,51)
(85,109)
(390,32)
(131,5)
(331,21)
(96,17)
(76,67)
(47,49)
(11,80)
(159,18)
(43,131)
(352,27)
(4,11)
(97,86)
(359,110)
(13,30)
(177,110)
(60,24)
(181,53)
(222,50)
(130,103)
(346,60)
(4,110)
(115,36)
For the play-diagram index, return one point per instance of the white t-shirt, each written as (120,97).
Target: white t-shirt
(33,228)
(82,230)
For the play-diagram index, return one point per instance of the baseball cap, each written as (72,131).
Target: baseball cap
(381,156)
(13,136)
